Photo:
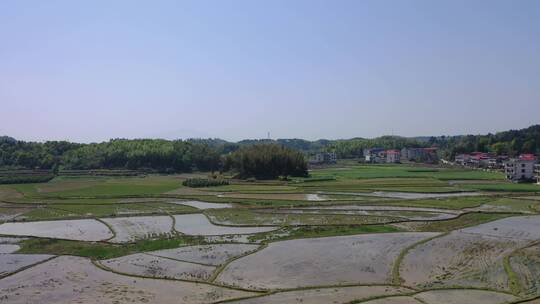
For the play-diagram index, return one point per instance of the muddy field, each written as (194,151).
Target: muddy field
(336,295)
(459,259)
(203,205)
(147,265)
(129,229)
(76,280)
(206,254)
(365,259)
(348,238)
(14,262)
(520,227)
(526,263)
(456,296)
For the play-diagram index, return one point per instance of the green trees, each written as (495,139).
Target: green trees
(511,142)
(204,182)
(266,161)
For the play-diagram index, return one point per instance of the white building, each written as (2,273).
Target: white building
(521,168)
(537,172)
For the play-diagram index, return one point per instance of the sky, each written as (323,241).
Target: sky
(89,71)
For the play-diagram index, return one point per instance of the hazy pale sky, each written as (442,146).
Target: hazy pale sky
(94,70)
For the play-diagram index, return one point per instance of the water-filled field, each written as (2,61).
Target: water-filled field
(352,234)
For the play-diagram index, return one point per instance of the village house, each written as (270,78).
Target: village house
(393,156)
(428,155)
(481,160)
(521,168)
(374,155)
(324,158)
(537,173)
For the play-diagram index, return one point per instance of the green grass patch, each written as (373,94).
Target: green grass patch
(466,220)
(46,213)
(290,233)
(406,171)
(443,203)
(100,250)
(503,187)
(250,217)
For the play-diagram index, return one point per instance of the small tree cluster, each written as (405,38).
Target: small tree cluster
(203,182)
(266,161)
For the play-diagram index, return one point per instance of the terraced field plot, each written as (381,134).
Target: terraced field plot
(69,279)
(9,248)
(519,227)
(129,229)
(358,259)
(11,262)
(455,296)
(367,234)
(403,213)
(526,264)
(290,217)
(278,196)
(216,254)
(146,265)
(459,259)
(203,205)
(198,224)
(81,230)
(338,295)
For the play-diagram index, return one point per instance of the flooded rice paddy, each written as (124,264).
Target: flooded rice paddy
(198,224)
(11,262)
(467,265)
(69,279)
(215,254)
(365,259)
(80,230)
(203,205)
(147,265)
(129,229)
(338,295)
(449,296)
(405,195)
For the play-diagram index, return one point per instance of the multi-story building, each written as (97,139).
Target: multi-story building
(393,156)
(520,168)
(537,173)
(420,154)
(324,158)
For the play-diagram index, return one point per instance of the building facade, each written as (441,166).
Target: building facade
(393,156)
(521,168)
(324,158)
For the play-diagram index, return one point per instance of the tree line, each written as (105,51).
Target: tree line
(259,160)
(284,156)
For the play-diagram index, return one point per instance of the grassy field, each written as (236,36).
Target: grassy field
(100,250)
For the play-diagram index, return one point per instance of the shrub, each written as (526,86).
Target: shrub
(203,182)
(25,179)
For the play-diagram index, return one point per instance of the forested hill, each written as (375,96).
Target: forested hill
(207,154)
(511,142)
